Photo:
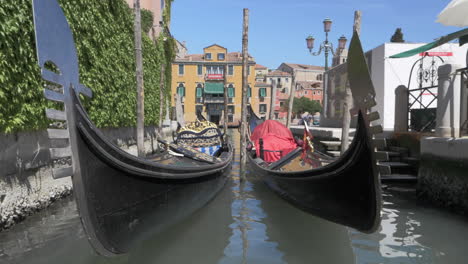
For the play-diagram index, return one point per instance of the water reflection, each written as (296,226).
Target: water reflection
(247,223)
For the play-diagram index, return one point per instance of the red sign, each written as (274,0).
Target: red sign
(215,76)
(435,53)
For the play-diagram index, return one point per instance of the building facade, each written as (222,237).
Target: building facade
(387,74)
(201,80)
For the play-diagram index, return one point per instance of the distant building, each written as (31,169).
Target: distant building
(311,90)
(304,72)
(200,80)
(260,72)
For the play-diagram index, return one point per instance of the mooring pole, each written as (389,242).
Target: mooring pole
(139,82)
(161,96)
(225,125)
(245,61)
(273,100)
(291,98)
(348,96)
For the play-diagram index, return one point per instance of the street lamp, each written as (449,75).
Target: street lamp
(326,46)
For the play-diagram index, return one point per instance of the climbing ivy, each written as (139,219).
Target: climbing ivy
(103,33)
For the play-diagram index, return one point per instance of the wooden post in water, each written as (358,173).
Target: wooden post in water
(161,96)
(273,100)
(139,82)
(348,96)
(226,90)
(245,61)
(291,98)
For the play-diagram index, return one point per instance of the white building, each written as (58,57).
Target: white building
(387,74)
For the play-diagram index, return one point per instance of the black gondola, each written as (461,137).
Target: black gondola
(345,190)
(122,199)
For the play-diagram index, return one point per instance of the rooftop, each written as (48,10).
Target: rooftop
(230,57)
(279,73)
(305,66)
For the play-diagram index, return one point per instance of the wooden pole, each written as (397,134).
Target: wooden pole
(348,96)
(225,125)
(161,95)
(291,98)
(139,82)
(273,100)
(245,60)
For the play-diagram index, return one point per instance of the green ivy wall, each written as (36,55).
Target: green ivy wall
(103,32)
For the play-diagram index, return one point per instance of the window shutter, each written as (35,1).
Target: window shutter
(249,92)
(231,92)
(262,92)
(199,92)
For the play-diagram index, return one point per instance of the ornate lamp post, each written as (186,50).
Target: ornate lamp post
(327,47)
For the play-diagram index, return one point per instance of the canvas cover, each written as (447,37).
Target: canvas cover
(278,141)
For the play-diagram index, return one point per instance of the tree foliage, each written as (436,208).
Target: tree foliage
(397,36)
(103,34)
(302,105)
(147,20)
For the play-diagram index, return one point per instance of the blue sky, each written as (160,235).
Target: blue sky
(277,29)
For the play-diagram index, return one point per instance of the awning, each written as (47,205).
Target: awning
(214,88)
(462,34)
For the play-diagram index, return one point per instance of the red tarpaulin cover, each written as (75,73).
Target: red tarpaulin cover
(277,140)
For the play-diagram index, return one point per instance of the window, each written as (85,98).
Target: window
(249,92)
(262,92)
(230,118)
(279,80)
(281,103)
(214,69)
(207,56)
(319,77)
(231,91)
(305,92)
(199,91)
(181,90)
(271,79)
(230,109)
(262,108)
(181,69)
(230,69)
(220,56)
(200,69)
(287,79)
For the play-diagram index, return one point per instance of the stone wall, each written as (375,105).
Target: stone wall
(443,172)
(26,183)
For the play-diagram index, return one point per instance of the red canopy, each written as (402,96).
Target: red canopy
(277,140)
(271,126)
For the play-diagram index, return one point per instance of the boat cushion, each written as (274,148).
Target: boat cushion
(210,150)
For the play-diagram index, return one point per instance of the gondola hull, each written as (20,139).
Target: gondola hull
(345,191)
(122,199)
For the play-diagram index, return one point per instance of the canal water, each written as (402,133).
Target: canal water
(247,223)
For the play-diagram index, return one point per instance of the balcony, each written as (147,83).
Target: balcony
(212,76)
(214,100)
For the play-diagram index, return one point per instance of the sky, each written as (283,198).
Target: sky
(277,29)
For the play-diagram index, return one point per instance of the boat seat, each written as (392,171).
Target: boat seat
(281,162)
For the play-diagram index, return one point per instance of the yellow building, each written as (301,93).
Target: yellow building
(200,80)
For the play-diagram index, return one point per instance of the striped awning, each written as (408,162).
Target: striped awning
(214,88)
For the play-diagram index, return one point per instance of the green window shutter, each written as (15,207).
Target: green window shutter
(262,92)
(214,88)
(181,91)
(231,92)
(249,92)
(199,92)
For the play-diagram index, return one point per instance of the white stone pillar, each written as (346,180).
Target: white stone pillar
(401,109)
(448,101)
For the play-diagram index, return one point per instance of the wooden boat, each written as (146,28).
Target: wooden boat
(122,199)
(346,190)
